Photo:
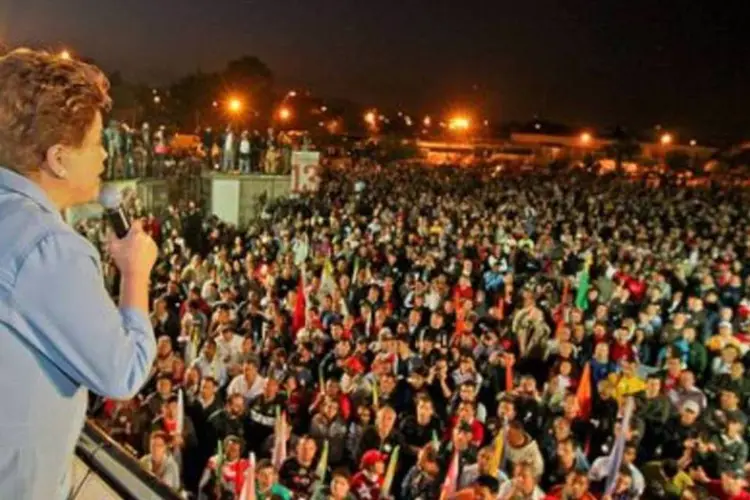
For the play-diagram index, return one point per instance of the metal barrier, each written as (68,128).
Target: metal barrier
(104,470)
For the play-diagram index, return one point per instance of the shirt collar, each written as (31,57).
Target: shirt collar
(11,181)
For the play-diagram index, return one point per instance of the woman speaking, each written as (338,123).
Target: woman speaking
(60,332)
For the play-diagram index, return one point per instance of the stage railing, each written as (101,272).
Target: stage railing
(104,470)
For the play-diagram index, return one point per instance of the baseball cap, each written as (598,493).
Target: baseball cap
(371,457)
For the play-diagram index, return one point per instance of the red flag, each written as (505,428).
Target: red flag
(563,304)
(298,316)
(450,485)
(459,308)
(583,394)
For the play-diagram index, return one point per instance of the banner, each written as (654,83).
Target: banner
(305,166)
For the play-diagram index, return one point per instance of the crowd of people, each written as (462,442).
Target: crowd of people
(143,152)
(419,332)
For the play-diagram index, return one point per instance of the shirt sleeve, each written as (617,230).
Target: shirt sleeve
(63,310)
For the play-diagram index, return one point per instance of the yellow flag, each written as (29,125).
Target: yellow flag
(497,454)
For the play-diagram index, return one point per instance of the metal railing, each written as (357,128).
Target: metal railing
(106,466)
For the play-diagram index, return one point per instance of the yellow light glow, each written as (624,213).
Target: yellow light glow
(285,114)
(427,121)
(585,138)
(65,55)
(693,142)
(235,105)
(666,139)
(459,123)
(371,118)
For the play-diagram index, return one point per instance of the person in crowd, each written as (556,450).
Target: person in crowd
(62,333)
(160,461)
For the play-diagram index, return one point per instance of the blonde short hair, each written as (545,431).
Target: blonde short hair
(45,100)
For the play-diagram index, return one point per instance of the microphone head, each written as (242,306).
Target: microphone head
(109,197)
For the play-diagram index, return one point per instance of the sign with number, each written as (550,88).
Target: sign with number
(305,165)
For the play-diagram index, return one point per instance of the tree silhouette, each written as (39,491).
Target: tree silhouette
(678,162)
(623,148)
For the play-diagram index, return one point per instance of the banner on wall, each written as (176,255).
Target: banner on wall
(305,165)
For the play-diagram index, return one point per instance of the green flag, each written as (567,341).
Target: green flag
(321,469)
(582,295)
(219,460)
(390,474)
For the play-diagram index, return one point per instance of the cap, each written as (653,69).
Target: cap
(371,457)
(691,406)
(354,364)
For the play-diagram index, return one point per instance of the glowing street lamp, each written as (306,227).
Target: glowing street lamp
(65,55)
(459,123)
(693,142)
(585,138)
(666,139)
(292,93)
(235,105)
(427,121)
(157,99)
(371,118)
(285,114)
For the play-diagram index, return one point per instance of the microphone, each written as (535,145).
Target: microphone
(109,198)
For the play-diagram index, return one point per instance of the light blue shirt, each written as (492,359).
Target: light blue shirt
(60,334)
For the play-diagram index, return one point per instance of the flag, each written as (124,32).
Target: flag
(582,295)
(508,373)
(563,302)
(321,380)
(248,488)
(219,461)
(501,307)
(615,456)
(180,412)
(300,306)
(322,468)
(583,393)
(327,281)
(375,397)
(450,485)
(278,454)
(459,309)
(435,441)
(497,452)
(390,473)
(194,345)
(355,271)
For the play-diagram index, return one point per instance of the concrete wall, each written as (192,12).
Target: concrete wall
(251,188)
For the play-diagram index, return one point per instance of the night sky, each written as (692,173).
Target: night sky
(684,65)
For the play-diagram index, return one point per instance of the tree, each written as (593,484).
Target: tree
(623,148)
(678,162)
(193,96)
(128,100)
(249,76)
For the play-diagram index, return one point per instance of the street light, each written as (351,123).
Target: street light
(693,142)
(459,123)
(285,114)
(235,105)
(371,118)
(157,99)
(65,55)
(585,138)
(427,121)
(292,93)
(666,139)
